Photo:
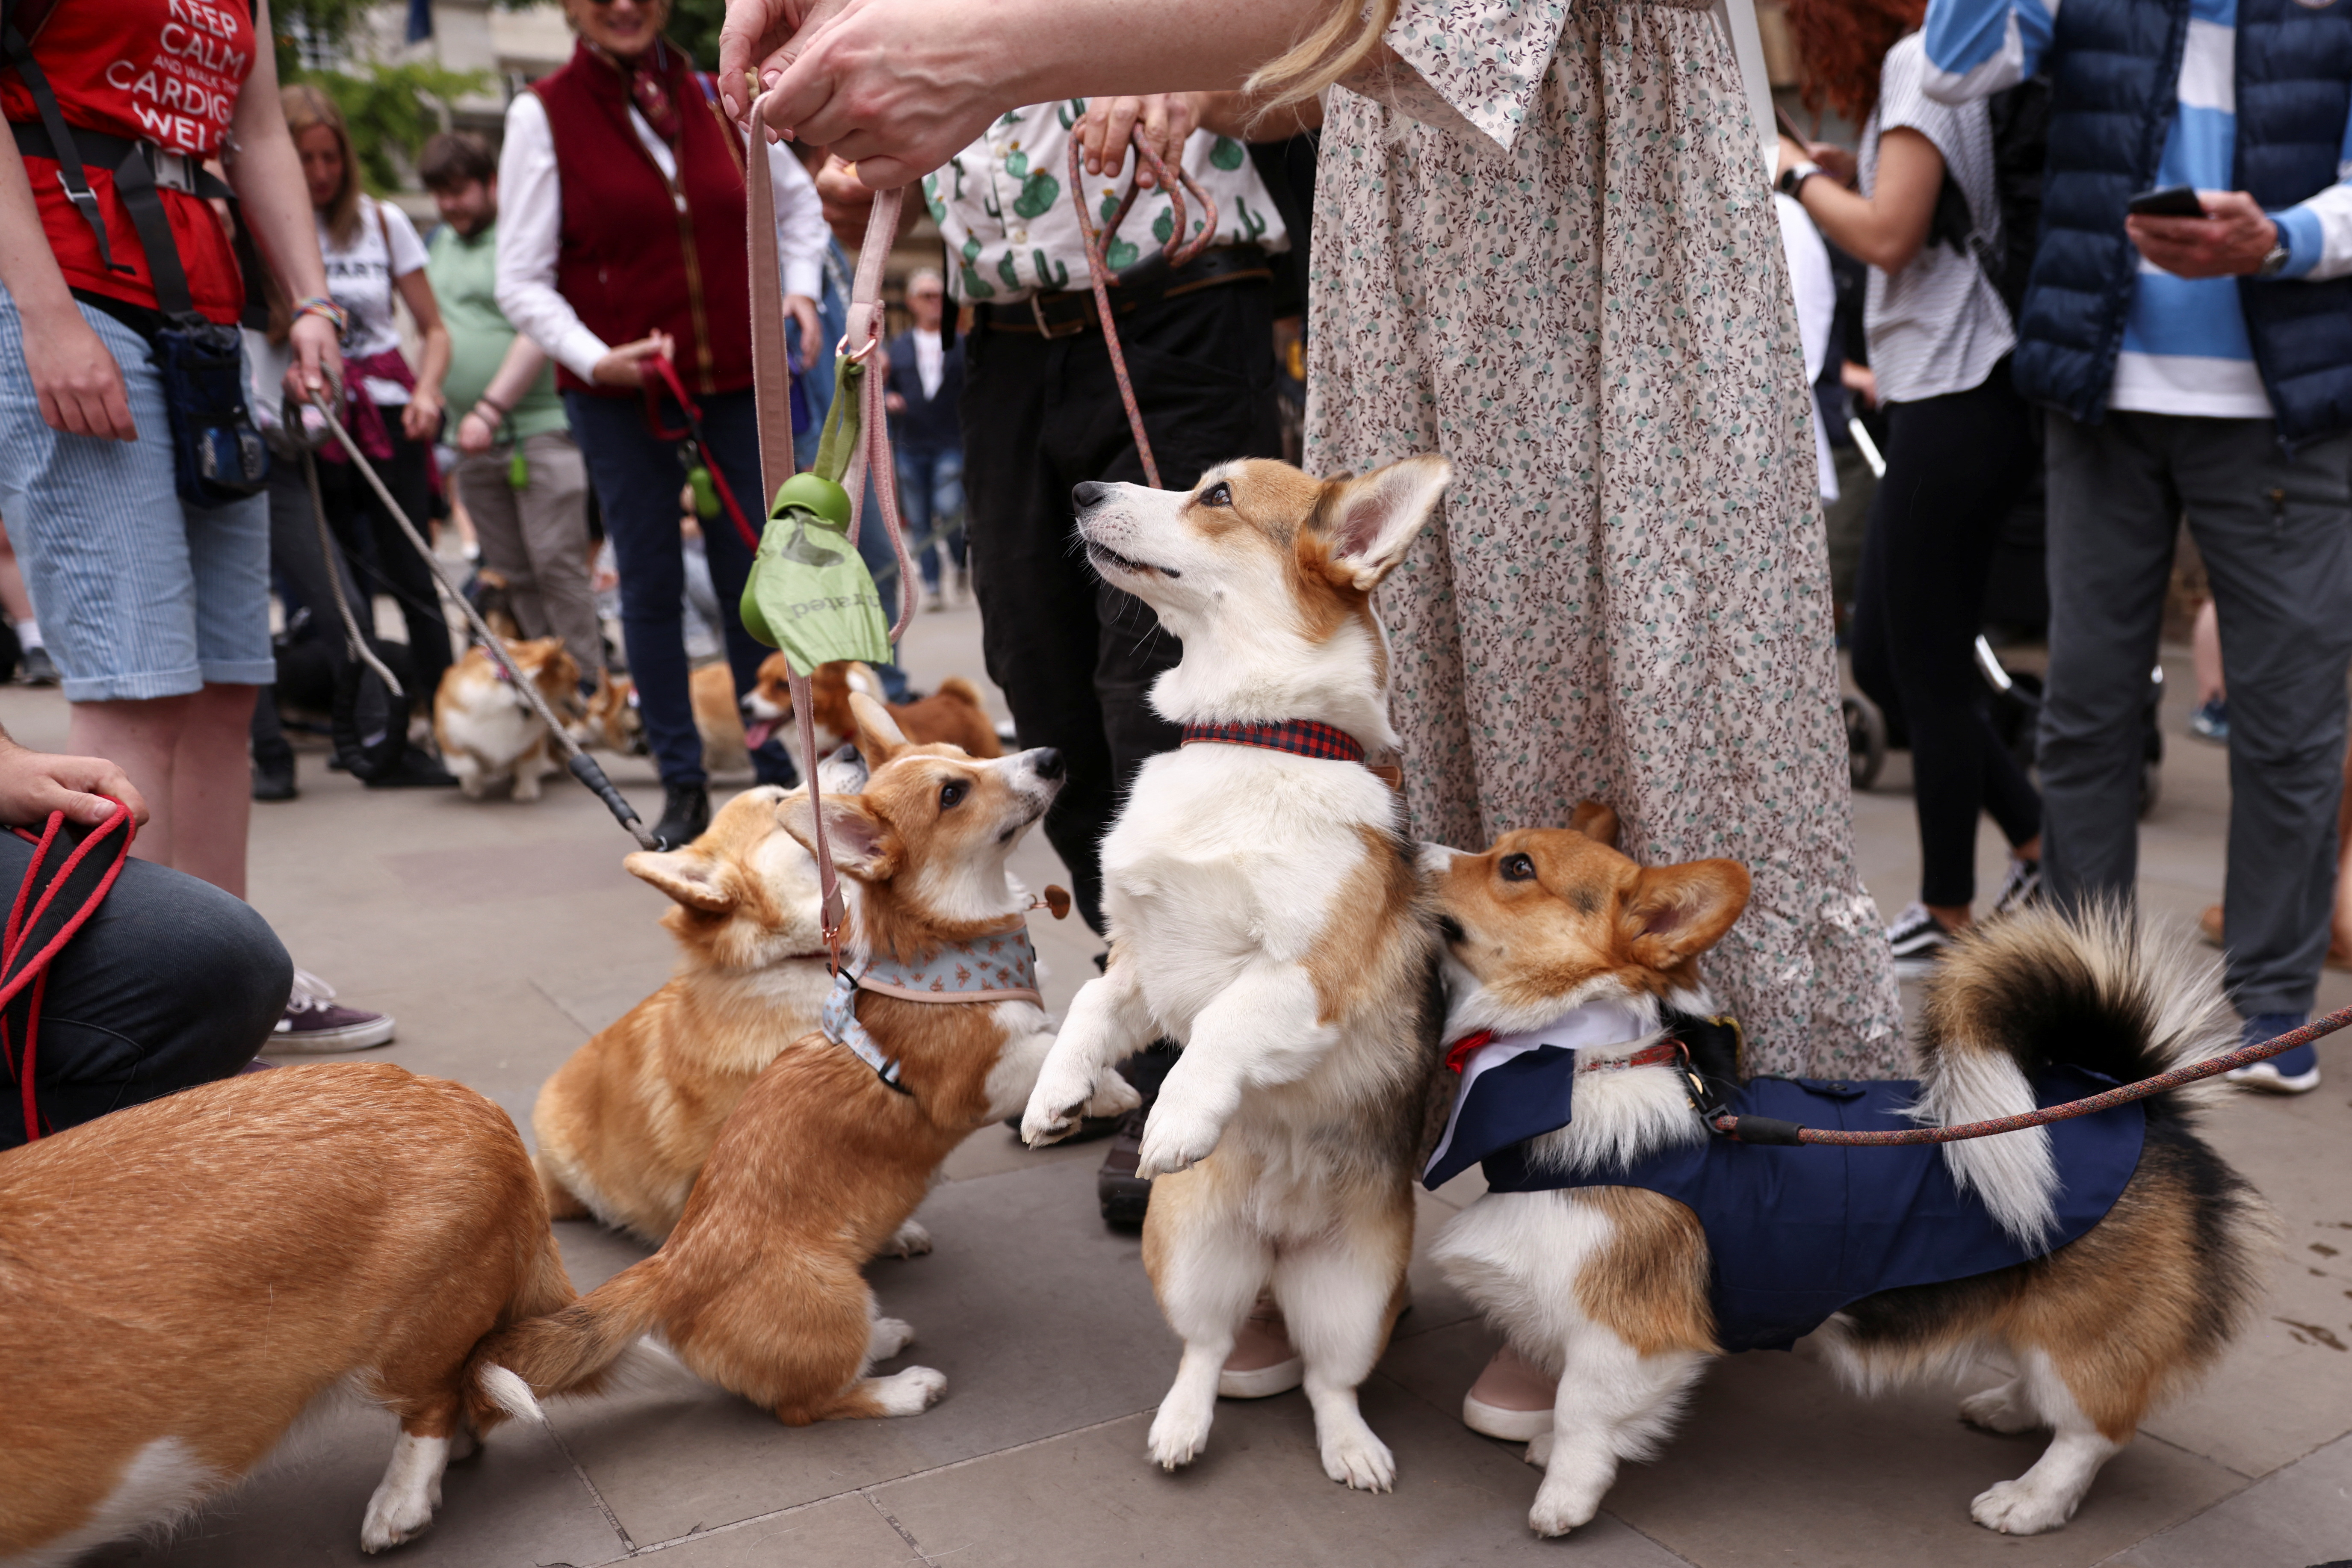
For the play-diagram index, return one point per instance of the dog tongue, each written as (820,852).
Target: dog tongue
(756,735)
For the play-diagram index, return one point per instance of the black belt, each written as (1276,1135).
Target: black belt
(172,170)
(1066,313)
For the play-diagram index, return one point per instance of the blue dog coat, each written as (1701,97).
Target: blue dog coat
(1801,1232)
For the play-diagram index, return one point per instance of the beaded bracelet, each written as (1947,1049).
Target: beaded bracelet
(320,305)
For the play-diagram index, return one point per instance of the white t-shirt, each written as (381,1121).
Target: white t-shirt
(360,277)
(1938,326)
(930,359)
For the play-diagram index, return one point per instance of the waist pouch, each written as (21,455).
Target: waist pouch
(217,454)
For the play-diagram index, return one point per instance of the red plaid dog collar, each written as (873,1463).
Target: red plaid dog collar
(1299,737)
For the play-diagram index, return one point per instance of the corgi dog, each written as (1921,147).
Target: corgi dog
(954,714)
(185,1277)
(488,731)
(611,719)
(712,690)
(1267,913)
(624,1126)
(758,1289)
(2111,1258)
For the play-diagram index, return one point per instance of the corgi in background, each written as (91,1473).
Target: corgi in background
(185,1277)
(725,748)
(1622,1244)
(1268,914)
(954,715)
(489,733)
(823,1162)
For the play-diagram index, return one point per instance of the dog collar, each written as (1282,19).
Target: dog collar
(999,967)
(1300,738)
(1664,1051)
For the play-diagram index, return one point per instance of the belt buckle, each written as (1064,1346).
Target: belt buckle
(173,170)
(1047,329)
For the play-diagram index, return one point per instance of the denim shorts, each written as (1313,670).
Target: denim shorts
(138,594)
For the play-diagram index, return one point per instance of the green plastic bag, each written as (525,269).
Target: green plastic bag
(809,592)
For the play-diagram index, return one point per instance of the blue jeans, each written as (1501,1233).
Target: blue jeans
(637,477)
(930,497)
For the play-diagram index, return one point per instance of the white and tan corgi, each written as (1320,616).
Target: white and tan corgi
(624,1126)
(183,1278)
(1267,913)
(821,1166)
(488,731)
(2121,1295)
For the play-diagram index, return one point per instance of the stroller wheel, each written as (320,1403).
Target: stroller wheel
(1866,739)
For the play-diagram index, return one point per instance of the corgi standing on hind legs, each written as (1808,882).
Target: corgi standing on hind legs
(1266,913)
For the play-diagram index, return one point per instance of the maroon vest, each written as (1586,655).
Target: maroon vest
(634,257)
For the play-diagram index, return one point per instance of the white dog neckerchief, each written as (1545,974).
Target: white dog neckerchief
(998,966)
(1601,1023)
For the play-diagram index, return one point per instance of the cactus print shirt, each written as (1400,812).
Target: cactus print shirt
(1003,203)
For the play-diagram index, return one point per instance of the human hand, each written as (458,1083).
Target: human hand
(34,784)
(1861,381)
(318,359)
(756,38)
(2228,241)
(893,404)
(896,87)
(802,311)
(76,379)
(1786,157)
(848,201)
(625,365)
(1108,125)
(1836,162)
(475,431)
(421,419)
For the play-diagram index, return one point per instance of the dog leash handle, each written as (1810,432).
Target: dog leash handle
(586,769)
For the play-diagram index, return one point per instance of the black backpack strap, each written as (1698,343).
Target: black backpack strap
(70,173)
(134,181)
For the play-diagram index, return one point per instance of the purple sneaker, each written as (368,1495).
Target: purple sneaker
(316,1025)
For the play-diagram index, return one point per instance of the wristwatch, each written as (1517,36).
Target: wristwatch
(1792,179)
(2280,254)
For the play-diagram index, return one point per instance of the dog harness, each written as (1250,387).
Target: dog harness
(1299,737)
(997,966)
(1798,1233)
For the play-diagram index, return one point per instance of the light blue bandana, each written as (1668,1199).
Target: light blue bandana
(1001,966)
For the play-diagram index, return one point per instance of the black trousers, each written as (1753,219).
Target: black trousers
(382,556)
(1074,657)
(1955,465)
(171,984)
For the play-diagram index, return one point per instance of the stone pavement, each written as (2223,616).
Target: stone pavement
(502,935)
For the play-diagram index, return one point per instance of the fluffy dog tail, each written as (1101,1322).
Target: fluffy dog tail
(2036,990)
(963,691)
(569,1351)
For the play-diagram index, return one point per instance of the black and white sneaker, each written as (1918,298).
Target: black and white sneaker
(1918,940)
(2020,889)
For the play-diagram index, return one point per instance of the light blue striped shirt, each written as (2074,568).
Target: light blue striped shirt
(2184,347)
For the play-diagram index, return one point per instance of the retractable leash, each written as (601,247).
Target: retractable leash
(1772,1130)
(1179,250)
(584,767)
(40,925)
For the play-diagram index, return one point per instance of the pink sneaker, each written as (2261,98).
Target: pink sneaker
(1263,1362)
(1511,1400)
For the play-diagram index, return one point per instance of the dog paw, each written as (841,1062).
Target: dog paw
(909,1240)
(1359,1460)
(887,1337)
(1172,1143)
(1538,1452)
(1055,1104)
(1561,1510)
(397,1514)
(2019,1507)
(911,1392)
(1116,1097)
(1998,1410)
(1177,1436)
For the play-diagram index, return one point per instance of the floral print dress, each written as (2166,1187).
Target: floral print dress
(1552,257)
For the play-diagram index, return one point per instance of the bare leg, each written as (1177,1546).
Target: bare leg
(142,738)
(212,788)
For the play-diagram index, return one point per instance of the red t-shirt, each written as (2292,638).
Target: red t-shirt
(167,71)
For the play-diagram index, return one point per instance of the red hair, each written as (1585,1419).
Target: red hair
(1843,43)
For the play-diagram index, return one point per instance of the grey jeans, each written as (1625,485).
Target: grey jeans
(537,538)
(2275,530)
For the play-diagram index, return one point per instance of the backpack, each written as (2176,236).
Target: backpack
(2021,144)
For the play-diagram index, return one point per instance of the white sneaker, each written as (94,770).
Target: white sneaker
(1263,1363)
(2020,889)
(315,1024)
(1919,941)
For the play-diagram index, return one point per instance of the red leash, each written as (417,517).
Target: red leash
(33,969)
(659,365)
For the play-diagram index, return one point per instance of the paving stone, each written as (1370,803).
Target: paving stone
(1258,1495)
(2300,1516)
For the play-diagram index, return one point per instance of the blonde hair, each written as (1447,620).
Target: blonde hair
(1347,37)
(305,107)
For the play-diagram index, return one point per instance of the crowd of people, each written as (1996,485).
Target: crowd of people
(1558,271)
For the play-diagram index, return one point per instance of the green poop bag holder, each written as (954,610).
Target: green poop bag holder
(809,594)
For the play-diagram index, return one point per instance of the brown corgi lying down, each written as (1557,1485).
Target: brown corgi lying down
(758,1289)
(181,1279)
(1268,914)
(954,714)
(623,1127)
(488,731)
(2111,1258)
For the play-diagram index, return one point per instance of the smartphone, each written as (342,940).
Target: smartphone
(2172,201)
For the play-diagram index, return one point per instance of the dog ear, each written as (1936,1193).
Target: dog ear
(1370,523)
(691,877)
(861,844)
(1677,912)
(1596,822)
(878,736)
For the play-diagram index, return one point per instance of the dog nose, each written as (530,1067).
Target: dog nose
(1086,495)
(1047,762)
